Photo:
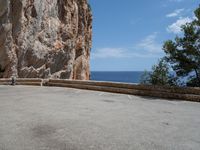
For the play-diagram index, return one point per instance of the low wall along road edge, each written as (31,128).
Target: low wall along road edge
(173,93)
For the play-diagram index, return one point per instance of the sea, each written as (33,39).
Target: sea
(117,76)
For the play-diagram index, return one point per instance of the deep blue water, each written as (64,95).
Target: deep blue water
(117,76)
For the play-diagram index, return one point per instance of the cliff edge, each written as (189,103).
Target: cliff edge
(45,39)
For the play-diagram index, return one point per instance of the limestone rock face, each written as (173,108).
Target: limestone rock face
(45,39)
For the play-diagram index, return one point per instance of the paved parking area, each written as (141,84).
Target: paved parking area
(50,118)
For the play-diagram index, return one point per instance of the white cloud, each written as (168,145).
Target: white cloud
(177,12)
(176,26)
(109,53)
(149,44)
(116,53)
(147,48)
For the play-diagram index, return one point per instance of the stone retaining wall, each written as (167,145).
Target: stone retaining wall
(37,82)
(189,94)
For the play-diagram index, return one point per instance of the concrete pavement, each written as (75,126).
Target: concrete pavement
(50,118)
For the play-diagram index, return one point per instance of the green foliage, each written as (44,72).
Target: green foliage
(160,75)
(145,78)
(192,82)
(184,52)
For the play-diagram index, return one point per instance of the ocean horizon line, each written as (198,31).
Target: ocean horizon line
(117,76)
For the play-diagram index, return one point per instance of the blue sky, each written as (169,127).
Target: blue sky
(128,35)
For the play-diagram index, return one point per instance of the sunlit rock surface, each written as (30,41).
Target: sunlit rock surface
(45,38)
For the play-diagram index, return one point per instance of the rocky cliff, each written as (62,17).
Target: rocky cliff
(45,38)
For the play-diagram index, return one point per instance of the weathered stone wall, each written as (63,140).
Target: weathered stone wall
(45,39)
(173,93)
